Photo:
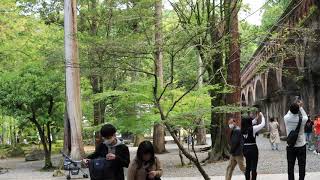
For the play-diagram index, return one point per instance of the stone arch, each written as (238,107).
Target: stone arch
(272,82)
(243,99)
(258,90)
(290,72)
(250,96)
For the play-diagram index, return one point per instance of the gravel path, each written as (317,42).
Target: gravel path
(270,162)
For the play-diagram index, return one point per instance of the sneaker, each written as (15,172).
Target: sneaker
(315,152)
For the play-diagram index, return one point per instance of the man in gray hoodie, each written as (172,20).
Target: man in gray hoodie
(291,120)
(114,150)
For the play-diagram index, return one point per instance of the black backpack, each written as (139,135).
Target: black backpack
(101,169)
(293,135)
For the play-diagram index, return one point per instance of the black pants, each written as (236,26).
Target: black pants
(251,154)
(294,153)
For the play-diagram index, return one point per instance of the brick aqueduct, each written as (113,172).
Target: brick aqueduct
(286,64)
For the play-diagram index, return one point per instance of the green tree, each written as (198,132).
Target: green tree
(34,93)
(31,80)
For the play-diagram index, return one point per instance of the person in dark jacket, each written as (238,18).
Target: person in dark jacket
(236,156)
(308,132)
(114,150)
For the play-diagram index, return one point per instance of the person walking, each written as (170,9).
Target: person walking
(274,134)
(298,151)
(308,133)
(145,166)
(250,148)
(317,134)
(236,155)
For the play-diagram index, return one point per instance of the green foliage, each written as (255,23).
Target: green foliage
(249,40)
(191,109)
(273,11)
(31,77)
(11,151)
(30,89)
(131,107)
(116,43)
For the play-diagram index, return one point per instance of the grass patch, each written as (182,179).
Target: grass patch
(20,150)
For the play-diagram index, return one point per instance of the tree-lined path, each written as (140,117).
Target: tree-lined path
(167,71)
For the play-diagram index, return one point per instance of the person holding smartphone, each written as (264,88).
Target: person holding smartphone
(249,130)
(145,166)
(298,151)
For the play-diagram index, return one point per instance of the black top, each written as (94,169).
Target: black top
(122,158)
(249,138)
(236,142)
(308,127)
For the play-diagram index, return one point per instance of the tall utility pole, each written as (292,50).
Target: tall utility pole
(73,78)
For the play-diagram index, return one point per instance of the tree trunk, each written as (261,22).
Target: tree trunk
(67,134)
(219,146)
(194,160)
(47,160)
(2,134)
(201,133)
(98,107)
(96,78)
(49,140)
(158,41)
(200,70)
(233,56)
(158,130)
(158,138)
(73,78)
(138,139)
(47,152)
(180,152)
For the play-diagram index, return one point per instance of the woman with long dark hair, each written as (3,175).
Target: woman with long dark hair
(145,166)
(249,130)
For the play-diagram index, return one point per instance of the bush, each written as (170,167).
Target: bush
(57,147)
(16,151)
(4,146)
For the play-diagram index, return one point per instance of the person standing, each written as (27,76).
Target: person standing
(308,132)
(298,151)
(145,166)
(274,134)
(114,150)
(250,148)
(236,155)
(317,133)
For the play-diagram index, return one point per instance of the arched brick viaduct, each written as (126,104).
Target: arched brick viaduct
(286,64)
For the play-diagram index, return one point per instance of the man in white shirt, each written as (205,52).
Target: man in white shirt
(291,120)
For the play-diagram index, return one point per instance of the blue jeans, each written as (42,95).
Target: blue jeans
(309,139)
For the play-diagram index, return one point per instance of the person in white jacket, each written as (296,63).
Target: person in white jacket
(291,120)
